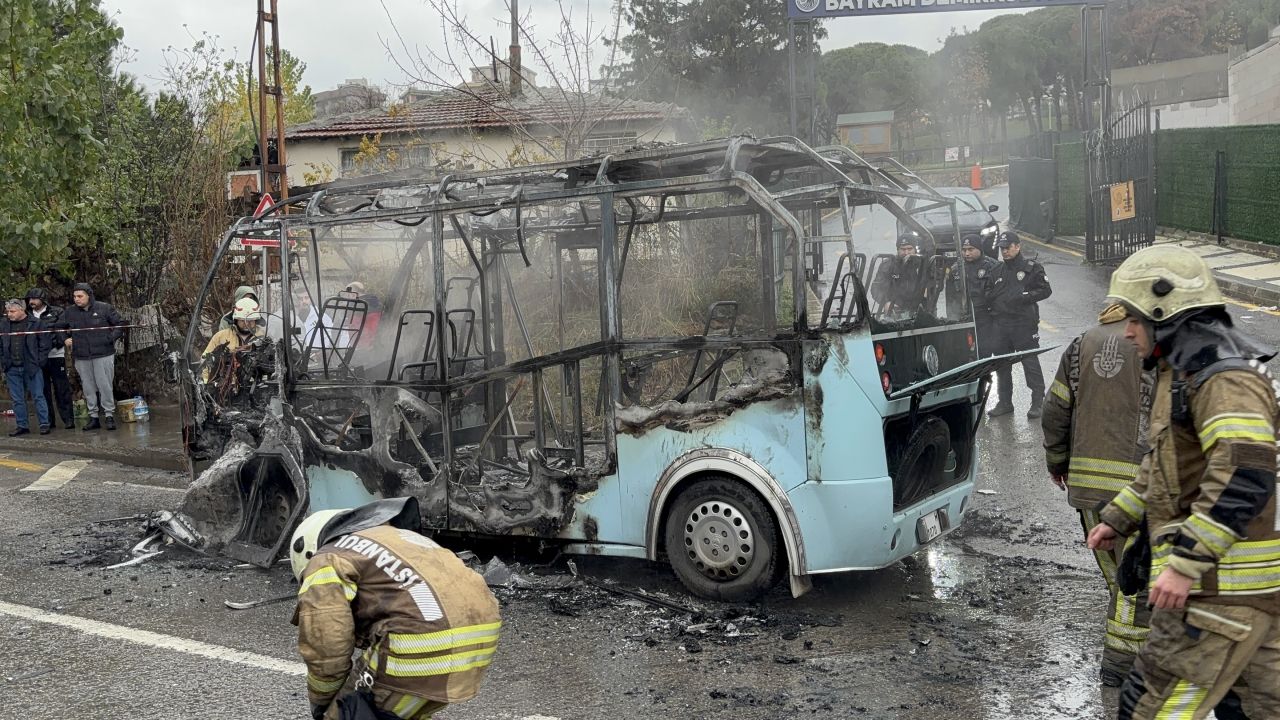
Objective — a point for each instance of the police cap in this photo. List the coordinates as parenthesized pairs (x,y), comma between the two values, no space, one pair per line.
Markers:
(972,241)
(1008,239)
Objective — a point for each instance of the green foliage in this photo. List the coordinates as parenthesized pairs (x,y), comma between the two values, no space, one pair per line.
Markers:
(1185,173)
(54,58)
(723,59)
(873,76)
(1073,186)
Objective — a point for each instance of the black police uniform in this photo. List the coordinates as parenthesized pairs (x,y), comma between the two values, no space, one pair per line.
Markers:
(1016,286)
(978,276)
(900,285)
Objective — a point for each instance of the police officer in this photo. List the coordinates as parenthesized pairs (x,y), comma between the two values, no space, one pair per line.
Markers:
(427,624)
(1101,376)
(900,286)
(979,271)
(1207,491)
(1018,285)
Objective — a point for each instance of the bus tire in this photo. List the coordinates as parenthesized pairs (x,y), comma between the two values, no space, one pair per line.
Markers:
(722,540)
(923,460)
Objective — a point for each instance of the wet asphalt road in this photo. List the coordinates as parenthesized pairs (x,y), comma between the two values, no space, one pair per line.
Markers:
(1001,619)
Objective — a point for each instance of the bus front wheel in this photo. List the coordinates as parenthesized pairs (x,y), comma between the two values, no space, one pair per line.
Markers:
(722,541)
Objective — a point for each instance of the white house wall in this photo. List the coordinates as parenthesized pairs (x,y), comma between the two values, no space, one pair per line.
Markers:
(487,149)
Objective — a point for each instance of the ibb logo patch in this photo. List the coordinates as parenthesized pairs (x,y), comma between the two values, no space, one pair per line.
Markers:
(807,5)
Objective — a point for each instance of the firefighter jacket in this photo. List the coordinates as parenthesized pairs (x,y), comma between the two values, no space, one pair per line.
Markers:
(1100,376)
(1016,286)
(1207,486)
(427,623)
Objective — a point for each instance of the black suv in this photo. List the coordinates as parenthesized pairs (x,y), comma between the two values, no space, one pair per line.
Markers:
(974,219)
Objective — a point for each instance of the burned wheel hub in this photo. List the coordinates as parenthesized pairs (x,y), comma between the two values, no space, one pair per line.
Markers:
(719,540)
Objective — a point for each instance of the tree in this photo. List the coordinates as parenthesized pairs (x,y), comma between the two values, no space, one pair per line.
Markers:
(873,76)
(552,118)
(724,59)
(236,96)
(55,56)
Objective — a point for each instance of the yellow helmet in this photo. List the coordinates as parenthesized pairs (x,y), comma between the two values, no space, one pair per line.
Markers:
(1164,281)
(307,538)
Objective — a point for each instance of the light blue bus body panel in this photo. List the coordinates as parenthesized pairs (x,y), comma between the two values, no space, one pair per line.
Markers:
(845,509)
(769,432)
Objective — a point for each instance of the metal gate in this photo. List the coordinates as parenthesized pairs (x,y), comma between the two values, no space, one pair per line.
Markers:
(1121,211)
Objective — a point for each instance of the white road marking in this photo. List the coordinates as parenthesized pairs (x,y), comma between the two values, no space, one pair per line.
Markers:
(141,486)
(57,476)
(156,640)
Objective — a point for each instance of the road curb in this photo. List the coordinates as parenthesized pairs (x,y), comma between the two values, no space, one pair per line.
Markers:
(153,458)
(1234,287)
(1246,291)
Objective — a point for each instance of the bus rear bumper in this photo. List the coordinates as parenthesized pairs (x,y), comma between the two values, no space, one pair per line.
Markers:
(845,525)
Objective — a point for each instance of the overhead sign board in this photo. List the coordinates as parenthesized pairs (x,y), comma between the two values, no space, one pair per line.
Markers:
(800,9)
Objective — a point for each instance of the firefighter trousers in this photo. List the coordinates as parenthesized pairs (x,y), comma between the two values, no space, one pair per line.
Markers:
(406,707)
(1127,615)
(1193,657)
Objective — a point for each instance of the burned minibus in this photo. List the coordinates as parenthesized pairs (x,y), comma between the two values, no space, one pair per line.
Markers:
(668,354)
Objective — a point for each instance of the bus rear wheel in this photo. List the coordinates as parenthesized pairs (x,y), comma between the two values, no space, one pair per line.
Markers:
(722,541)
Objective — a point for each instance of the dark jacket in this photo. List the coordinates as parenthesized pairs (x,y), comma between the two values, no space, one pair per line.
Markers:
(979,275)
(52,319)
(1017,285)
(99,327)
(36,347)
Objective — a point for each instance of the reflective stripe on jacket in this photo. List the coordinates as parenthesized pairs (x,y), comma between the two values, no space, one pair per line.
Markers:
(1095,416)
(1208,487)
(427,622)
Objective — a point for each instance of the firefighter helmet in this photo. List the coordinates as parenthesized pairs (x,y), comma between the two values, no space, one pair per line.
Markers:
(306,538)
(1161,282)
(246,309)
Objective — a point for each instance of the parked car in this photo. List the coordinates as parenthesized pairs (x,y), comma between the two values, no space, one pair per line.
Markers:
(973,218)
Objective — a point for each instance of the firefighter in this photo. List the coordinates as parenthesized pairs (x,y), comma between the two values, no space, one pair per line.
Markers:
(246,327)
(426,623)
(1207,491)
(228,321)
(1019,284)
(1101,376)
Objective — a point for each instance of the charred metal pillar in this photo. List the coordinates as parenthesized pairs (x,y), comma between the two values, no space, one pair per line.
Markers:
(492,336)
(768,261)
(441,329)
(610,317)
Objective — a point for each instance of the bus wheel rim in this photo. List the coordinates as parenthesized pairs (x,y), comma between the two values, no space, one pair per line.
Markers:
(719,540)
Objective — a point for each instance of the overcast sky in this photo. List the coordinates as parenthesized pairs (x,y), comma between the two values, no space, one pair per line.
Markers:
(340,39)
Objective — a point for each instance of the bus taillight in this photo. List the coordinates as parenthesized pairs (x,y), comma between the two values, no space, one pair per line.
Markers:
(880,354)
(885,382)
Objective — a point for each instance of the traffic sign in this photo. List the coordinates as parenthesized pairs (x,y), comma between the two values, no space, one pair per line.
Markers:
(266,202)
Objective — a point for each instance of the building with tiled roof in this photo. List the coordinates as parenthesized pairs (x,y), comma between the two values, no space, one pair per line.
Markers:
(477,126)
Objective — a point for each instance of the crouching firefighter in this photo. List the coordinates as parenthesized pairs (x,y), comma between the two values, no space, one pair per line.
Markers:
(1207,489)
(426,623)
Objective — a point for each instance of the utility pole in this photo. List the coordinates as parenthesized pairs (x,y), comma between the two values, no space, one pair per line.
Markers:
(274,179)
(514,58)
